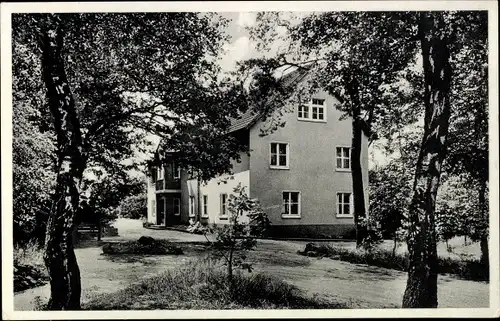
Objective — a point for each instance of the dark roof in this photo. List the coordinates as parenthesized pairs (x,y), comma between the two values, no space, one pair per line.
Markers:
(250,117)
(245,120)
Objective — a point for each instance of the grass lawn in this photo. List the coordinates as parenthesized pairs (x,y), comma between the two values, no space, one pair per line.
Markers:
(202,284)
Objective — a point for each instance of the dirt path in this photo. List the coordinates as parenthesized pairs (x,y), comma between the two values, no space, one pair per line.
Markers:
(361,286)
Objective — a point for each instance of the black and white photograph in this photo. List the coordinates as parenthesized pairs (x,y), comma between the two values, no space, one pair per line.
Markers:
(243,159)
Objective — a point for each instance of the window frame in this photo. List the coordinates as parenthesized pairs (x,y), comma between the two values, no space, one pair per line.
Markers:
(204,208)
(176,171)
(191,206)
(173,205)
(277,166)
(310,107)
(160,173)
(342,158)
(351,205)
(223,205)
(299,203)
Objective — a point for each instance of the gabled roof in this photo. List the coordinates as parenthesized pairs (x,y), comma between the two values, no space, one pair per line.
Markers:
(251,116)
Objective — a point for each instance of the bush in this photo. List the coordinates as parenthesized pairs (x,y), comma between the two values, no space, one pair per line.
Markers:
(202,284)
(464,268)
(134,207)
(29,269)
(153,247)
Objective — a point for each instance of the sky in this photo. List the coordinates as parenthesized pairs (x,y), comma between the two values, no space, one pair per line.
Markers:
(240,47)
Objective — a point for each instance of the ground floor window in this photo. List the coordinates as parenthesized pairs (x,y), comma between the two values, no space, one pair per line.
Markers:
(223,205)
(205,206)
(344,204)
(153,208)
(291,204)
(191,206)
(177,206)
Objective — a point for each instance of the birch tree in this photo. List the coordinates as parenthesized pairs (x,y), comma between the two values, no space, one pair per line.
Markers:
(110,79)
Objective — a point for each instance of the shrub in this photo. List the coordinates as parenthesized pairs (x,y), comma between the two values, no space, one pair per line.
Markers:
(202,284)
(464,268)
(234,239)
(134,207)
(153,247)
(29,269)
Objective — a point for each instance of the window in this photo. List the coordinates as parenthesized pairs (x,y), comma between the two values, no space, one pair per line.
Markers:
(291,204)
(344,204)
(205,206)
(153,208)
(279,155)
(315,110)
(223,205)
(160,172)
(177,206)
(303,112)
(191,206)
(343,158)
(177,171)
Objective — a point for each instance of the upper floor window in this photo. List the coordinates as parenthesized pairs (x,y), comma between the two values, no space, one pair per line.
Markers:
(315,110)
(177,206)
(279,155)
(160,173)
(291,204)
(343,158)
(344,204)
(223,206)
(177,171)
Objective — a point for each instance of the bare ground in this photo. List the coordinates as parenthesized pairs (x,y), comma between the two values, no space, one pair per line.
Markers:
(361,286)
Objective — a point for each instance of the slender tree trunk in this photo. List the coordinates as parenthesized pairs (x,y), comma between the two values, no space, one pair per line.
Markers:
(356,168)
(395,245)
(59,257)
(357,180)
(484,237)
(421,288)
(198,200)
(99,230)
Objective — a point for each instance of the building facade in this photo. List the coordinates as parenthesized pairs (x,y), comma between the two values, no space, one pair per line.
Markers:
(300,174)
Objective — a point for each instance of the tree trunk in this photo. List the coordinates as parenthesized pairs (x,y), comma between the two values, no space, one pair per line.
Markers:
(357,180)
(483,242)
(421,288)
(198,200)
(99,230)
(395,245)
(356,168)
(59,257)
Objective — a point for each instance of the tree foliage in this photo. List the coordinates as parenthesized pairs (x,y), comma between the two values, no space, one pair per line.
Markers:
(117,77)
(32,148)
(134,206)
(390,193)
(104,196)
